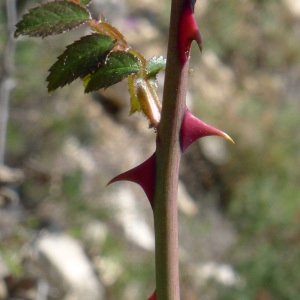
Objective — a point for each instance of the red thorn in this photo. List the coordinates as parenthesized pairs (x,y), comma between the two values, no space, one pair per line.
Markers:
(193,129)
(143,174)
(153,297)
(188,31)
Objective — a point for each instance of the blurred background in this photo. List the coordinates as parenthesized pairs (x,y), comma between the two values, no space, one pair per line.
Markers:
(65,235)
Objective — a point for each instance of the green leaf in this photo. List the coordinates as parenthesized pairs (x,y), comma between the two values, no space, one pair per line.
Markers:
(52,18)
(85,2)
(155,65)
(79,59)
(119,65)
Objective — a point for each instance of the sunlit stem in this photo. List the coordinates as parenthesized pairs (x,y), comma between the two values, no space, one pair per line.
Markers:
(168,155)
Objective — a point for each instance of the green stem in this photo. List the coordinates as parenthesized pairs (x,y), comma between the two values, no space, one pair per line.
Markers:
(168,155)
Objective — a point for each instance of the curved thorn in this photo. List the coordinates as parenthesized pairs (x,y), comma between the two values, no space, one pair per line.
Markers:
(192,129)
(153,296)
(188,31)
(144,175)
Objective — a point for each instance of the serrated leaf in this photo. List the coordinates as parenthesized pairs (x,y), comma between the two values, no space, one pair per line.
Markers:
(155,65)
(119,65)
(83,2)
(52,18)
(79,59)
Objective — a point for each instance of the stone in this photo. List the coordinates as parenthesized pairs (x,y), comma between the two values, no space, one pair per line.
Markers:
(3,273)
(294,7)
(10,175)
(66,267)
(131,215)
(186,204)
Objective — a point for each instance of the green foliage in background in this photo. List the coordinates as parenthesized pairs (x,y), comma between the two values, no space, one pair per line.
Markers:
(255,39)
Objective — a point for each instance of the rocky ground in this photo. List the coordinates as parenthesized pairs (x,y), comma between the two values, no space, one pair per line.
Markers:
(63,233)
